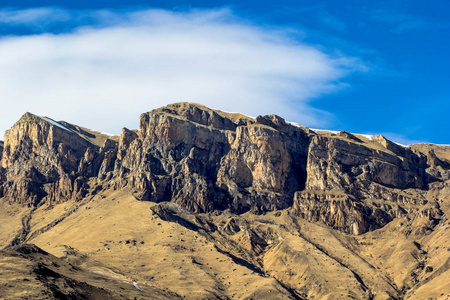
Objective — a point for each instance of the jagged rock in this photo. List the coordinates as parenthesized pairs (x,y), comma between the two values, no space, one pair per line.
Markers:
(39,139)
(176,157)
(109,153)
(438,160)
(125,140)
(1,150)
(340,211)
(204,160)
(38,151)
(172,212)
(338,164)
(266,164)
(363,172)
(42,158)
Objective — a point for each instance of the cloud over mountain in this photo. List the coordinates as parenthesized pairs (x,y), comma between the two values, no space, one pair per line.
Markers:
(90,67)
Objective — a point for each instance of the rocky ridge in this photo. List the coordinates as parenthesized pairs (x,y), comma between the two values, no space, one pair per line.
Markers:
(206,160)
(203,204)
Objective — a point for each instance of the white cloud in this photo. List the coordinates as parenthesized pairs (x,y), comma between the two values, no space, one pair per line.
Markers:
(104,74)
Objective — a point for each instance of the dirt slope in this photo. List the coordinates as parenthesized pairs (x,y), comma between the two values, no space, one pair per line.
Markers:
(163,247)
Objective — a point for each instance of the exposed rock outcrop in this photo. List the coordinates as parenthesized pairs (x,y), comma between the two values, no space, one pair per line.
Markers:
(347,176)
(341,164)
(204,160)
(266,164)
(1,149)
(341,211)
(44,159)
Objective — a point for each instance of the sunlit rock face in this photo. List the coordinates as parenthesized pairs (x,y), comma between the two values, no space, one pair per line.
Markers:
(45,160)
(206,160)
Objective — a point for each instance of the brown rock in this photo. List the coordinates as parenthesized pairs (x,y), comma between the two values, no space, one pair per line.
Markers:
(340,211)
(42,158)
(204,160)
(1,150)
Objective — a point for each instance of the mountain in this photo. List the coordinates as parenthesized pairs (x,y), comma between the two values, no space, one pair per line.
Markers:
(200,203)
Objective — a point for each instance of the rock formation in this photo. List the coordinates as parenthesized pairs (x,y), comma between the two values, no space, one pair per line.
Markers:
(45,160)
(205,160)
(232,206)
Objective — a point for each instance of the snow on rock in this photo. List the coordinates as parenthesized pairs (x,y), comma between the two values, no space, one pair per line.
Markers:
(53,122)
(230,112)
(137,287)
(367,136)
(134,283)
(108,134)
(332,131)
(401,145)
(294,124)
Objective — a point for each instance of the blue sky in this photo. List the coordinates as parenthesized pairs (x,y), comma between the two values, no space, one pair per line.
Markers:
(360,66)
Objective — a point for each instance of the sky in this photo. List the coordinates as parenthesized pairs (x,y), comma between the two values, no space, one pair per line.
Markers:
(372,67)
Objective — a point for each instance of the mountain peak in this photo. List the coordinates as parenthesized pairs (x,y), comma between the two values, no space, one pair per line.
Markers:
(28,117)
(204,115)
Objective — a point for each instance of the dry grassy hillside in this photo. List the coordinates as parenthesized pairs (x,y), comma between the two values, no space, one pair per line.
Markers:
(130,248)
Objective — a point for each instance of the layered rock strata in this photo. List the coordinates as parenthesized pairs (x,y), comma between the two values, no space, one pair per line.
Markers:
(206,160)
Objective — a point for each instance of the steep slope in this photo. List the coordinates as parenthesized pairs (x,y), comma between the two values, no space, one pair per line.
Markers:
(45,160)
(1,149)
(31,273)
(200,203)
(364,184)
(227,255)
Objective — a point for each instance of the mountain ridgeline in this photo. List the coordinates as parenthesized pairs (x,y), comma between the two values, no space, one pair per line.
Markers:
(203,204)
(206,160)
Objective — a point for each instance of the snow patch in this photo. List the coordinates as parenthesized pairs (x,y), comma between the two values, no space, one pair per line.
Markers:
(53,122)
(108,134)
(332,131)
(137,287)
(367,136)
(135,284)
(230,112)
(294,124)
(97,272)
(401,145)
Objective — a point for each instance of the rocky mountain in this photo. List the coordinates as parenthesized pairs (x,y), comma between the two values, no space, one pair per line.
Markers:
(209,204)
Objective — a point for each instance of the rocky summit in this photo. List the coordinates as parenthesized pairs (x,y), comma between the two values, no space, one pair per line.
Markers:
(203,204)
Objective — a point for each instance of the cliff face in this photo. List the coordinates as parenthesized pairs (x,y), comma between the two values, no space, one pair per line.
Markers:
(356,186)
(348,164)
(42,159)
(206,160)
(1,149)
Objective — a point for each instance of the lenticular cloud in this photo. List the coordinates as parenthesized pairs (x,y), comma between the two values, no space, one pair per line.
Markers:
(107,67)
